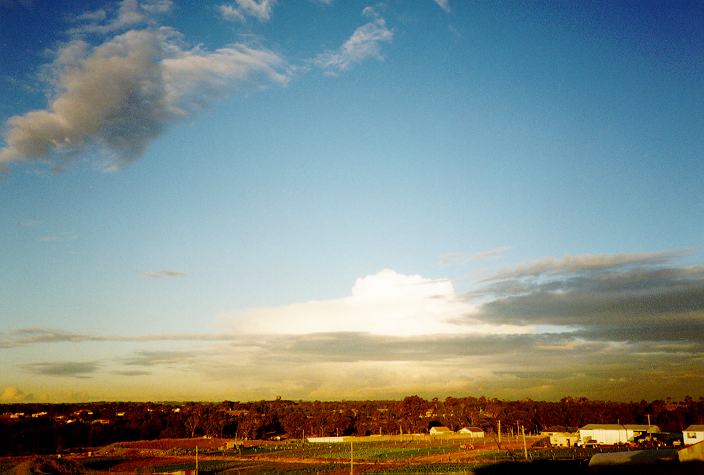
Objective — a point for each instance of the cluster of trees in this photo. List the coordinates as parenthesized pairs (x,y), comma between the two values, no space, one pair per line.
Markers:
(67,426)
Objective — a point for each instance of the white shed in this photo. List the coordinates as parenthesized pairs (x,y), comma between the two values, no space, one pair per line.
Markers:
(610,434)
(603,434)
(472,432)
(693,434)
(440,430)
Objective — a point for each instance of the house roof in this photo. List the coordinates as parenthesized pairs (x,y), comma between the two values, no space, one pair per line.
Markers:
(472,429)
(440,429)
(695,428)
(603,427)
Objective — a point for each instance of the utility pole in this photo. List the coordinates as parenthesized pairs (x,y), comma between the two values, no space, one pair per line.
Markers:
(196,460)
(351,458)
(525,449)
(649,431)
(499,431)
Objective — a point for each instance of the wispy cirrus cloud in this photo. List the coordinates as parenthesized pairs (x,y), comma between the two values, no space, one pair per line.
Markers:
(443,4)
(364,43)
(115,97)
(127,14)
(259,9)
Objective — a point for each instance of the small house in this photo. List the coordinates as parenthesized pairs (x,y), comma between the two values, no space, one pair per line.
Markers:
(693,434)
(440,430)
(561,436)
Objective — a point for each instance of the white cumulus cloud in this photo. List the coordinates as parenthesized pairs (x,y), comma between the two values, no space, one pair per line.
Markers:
(385,303)
(11,394)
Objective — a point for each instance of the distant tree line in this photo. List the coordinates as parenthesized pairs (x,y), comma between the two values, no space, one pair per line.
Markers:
(55,428)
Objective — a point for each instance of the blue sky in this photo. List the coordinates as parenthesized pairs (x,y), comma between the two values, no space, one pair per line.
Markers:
(327,199)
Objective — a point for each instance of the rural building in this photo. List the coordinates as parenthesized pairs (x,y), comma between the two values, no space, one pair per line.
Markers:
(440,430)
(472,432)
(610,434)
(561,436)
(636,430)
(693,434)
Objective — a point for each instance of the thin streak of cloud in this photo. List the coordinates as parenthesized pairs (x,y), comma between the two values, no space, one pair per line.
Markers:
(62,237)
(64,368)
(162,274)
(34,336)
(462,258)
(579,263)
(161,357)
(443,4)
(132,373)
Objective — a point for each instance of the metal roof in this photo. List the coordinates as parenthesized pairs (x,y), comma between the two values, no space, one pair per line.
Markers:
(603,427)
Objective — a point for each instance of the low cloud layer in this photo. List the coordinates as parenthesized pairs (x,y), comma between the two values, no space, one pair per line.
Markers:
(11,394)
(587,325)
(63,368)
(117,97)
(640,291)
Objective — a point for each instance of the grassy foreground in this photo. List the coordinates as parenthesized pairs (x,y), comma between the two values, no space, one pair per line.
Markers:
(369,455)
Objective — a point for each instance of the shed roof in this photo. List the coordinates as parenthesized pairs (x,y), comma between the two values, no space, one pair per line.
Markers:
(440,429)
(603,427)
(695,428)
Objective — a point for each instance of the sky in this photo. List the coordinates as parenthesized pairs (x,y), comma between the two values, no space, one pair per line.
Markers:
(327,199)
